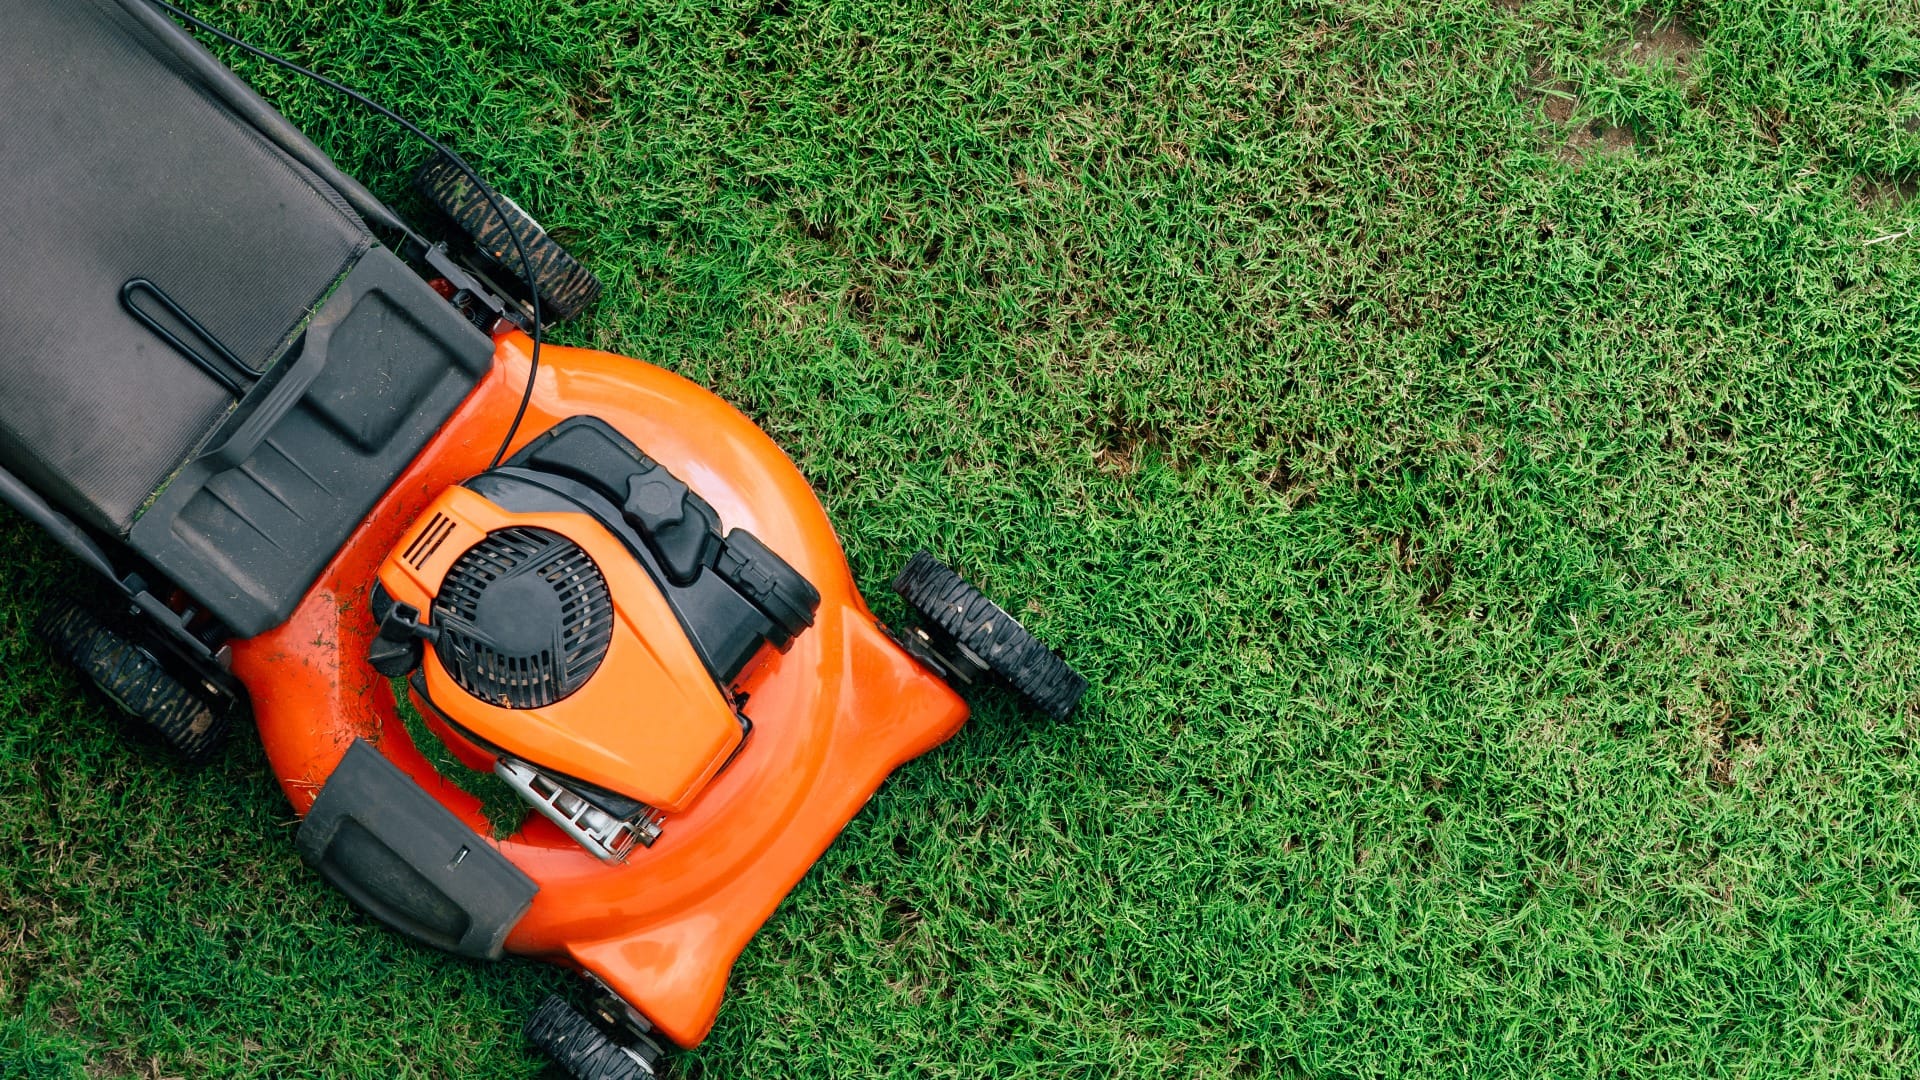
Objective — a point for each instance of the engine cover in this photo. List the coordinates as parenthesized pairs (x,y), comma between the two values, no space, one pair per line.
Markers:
(549,642)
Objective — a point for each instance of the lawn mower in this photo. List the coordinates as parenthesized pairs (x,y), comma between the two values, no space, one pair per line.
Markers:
(329,474)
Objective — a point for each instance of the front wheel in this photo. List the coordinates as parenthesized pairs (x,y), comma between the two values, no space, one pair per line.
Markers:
(969,637)
(583,1049)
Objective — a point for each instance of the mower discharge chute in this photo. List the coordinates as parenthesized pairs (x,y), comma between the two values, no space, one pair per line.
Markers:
(292,479)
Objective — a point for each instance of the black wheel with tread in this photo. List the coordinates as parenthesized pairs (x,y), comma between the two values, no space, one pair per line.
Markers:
(190,721)
(566,287)
(969,631)
(579,1047)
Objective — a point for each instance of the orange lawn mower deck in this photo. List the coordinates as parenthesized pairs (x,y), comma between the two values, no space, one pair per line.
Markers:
(315,455)
(741,817)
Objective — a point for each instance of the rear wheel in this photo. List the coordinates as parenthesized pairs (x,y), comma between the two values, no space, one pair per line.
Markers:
(193,722)
(970,637)
(583,1049)
(566,287)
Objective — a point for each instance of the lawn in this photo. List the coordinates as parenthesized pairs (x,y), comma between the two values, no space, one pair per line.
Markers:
(1471,447)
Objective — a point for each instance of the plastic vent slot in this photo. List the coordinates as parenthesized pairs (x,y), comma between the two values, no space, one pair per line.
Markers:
(500,652)
(428,542)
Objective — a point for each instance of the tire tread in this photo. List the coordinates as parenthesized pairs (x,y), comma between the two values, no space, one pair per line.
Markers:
(945,599)
(566,287)
(579,1047)
(133,679)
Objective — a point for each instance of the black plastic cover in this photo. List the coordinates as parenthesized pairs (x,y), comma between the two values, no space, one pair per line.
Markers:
(115,165)
(247,525)
(725,629)
(766,580)
(408,861)
(681,527)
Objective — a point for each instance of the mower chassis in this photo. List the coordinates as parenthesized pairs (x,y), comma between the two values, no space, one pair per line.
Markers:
(832,716)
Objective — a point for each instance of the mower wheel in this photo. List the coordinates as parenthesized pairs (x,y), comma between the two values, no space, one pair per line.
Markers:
(566,287)
(134,679)
(580,1048)
(971,635)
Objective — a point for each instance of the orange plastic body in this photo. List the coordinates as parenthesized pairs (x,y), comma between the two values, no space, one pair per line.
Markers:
(832,716)
(649,724)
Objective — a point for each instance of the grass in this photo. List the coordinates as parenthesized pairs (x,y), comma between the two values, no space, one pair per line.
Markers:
(1471,447)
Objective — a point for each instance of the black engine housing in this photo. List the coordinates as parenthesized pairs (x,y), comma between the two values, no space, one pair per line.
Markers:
(730,592)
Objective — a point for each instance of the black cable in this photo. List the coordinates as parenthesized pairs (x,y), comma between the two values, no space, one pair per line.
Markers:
(526,264)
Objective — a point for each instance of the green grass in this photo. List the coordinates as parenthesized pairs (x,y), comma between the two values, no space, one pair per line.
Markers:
(1473,455)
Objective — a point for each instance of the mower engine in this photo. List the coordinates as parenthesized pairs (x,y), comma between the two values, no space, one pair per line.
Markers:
(576,621)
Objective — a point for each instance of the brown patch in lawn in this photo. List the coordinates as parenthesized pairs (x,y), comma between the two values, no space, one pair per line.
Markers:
(1586,140)
(1560,103)
(1872,192)
(1653,40)
(1669,41)
(1121,444)
(1730,742)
